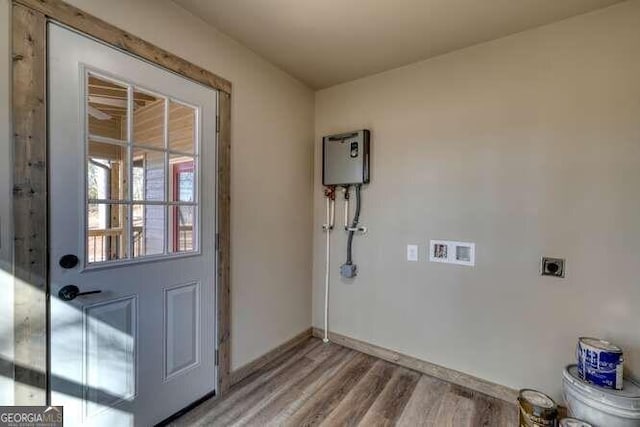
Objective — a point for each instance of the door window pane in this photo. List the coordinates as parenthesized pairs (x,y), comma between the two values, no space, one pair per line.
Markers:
(106,237)
(148,174)
(106,171)
(183,185)
(148,119)
(106,108)
(99,179)
(148,230)
(182,127)
(183,230)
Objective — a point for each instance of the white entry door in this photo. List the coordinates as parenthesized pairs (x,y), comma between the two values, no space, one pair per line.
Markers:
(132,215)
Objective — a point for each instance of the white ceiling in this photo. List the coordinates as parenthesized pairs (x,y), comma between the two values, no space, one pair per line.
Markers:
(325,42)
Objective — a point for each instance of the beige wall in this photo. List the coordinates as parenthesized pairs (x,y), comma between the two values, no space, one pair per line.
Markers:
(527,146)
(271,182)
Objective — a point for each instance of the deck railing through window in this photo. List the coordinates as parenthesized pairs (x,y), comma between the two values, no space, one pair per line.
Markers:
(107,244)
(104,244)
(185,239)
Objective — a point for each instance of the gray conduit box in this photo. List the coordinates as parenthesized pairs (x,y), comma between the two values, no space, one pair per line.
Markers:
(345,158)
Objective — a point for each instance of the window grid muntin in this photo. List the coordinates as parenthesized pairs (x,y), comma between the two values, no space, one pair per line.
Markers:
(123,143)
(129,208)
(129,144)
(167,174)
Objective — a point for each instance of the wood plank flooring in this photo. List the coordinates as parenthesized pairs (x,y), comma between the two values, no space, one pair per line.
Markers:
(329,385)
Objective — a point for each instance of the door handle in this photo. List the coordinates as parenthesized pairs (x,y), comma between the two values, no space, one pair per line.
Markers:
(70,292)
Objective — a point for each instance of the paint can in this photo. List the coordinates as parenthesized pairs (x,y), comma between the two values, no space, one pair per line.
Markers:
(573,422)
(536,409)
(600,362)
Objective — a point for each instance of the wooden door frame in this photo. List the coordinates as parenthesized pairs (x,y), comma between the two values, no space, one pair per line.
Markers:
(30,184)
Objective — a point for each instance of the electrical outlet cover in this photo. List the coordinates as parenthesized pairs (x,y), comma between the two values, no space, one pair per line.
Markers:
(412,252)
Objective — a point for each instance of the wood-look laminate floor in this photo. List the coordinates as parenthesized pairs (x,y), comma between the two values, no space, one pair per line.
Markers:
(330,385)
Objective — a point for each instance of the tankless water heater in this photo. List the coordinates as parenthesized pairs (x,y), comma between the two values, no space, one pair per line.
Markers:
(345,158)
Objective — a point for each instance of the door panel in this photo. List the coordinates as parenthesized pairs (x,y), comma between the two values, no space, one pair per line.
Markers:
(181,334)
(109,353)
(144,347)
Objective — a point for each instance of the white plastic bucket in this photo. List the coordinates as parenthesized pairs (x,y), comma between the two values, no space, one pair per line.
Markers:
(573,422)
(600,406)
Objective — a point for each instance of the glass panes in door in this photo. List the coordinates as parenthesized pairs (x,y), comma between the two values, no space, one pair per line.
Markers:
(106,108)
(141,172)
(182,128)
(183,211)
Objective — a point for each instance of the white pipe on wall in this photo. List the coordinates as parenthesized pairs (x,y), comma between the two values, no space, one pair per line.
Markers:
(326,274)
(333,213)
(328,226)
(346,208)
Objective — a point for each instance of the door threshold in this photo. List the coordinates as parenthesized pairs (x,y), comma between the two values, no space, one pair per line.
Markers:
(186,409)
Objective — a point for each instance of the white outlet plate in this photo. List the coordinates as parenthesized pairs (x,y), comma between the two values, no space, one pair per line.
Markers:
(412,252)
(451,252)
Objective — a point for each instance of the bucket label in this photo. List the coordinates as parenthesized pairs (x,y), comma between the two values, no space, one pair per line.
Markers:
(600,367)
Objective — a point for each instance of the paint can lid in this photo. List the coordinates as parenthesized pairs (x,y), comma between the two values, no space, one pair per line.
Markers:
(537,398)
(538,404)
(573,422)
(627,399)
(600,344)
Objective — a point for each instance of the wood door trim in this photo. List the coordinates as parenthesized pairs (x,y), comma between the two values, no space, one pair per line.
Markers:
(30,189)
(224,241)
(29,205)
(88,24)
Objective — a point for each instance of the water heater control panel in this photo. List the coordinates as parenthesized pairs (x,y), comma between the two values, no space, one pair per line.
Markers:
(345,158)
